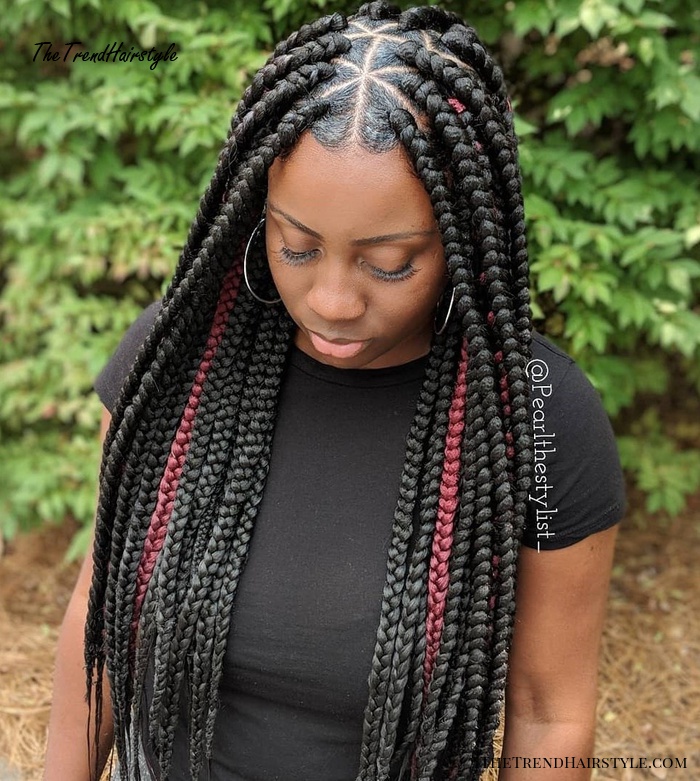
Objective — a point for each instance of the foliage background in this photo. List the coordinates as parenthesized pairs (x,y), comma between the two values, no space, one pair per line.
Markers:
(104,164)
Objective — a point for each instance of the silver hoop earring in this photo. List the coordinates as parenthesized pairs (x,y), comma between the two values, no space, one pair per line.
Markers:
(447,316)
(245,268)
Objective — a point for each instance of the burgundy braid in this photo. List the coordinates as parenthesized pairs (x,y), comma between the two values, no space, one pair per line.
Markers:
(181,444)
(448,503)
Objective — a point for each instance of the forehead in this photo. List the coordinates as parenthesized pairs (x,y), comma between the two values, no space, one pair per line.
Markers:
(349,190)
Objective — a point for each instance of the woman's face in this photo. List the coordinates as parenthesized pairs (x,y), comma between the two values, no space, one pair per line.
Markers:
(355,253)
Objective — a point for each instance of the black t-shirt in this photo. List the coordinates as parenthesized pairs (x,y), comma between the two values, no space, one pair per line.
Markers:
(304,624)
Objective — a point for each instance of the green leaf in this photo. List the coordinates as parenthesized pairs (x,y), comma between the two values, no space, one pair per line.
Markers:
(692,236)
(61,7)
(528,15)
(680,274)
(586,328)
(653,20)
(690,97)
(633,308)
(596,14)
(523,127)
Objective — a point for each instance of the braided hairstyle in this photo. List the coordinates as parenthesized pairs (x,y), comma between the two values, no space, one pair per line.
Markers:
(187,454)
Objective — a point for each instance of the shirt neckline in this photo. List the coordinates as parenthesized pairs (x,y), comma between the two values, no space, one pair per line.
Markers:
(359,378)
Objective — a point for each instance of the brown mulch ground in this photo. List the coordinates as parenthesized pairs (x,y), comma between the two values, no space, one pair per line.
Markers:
(35,587)
(649,703)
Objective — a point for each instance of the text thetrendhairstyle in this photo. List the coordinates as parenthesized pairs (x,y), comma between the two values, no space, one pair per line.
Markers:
(187,454)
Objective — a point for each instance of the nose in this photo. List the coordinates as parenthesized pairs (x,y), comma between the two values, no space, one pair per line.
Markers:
(335,294)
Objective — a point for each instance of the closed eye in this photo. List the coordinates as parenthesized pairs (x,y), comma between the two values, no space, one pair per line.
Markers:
(297,258)
(394,276)
(294,258)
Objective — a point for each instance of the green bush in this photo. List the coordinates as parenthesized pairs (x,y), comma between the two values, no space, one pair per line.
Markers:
(105,163)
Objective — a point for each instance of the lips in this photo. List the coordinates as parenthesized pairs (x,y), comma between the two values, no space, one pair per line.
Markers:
(336,348)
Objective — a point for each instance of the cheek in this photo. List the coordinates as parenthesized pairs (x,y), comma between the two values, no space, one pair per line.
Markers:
(412,307)
(426,299)
(288,287)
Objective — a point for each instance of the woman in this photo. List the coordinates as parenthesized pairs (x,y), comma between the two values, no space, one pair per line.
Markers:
(338,437)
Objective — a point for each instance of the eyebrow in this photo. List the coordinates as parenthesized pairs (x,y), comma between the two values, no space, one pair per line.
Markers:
(383,239)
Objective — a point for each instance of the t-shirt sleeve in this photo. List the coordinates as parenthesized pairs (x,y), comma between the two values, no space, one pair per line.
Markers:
(578,484)
(110,380)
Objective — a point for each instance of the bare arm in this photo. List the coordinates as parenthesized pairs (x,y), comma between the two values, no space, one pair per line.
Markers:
(66,753)
(551,693)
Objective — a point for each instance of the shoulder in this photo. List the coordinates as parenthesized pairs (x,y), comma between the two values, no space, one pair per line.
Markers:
(549,363)
(578,483)
(542,346)
(558,382)
(112,377)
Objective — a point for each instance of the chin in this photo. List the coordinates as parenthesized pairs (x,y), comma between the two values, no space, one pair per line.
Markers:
(358,361)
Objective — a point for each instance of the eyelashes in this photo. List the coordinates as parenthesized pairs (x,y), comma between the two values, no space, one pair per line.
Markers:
(295,258)
(299,258)
(406,272)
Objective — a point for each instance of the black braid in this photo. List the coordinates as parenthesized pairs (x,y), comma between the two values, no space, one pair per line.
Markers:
(503,323)
(396,626)
(141,388)
(418,150)
(196,503)
(236,518)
